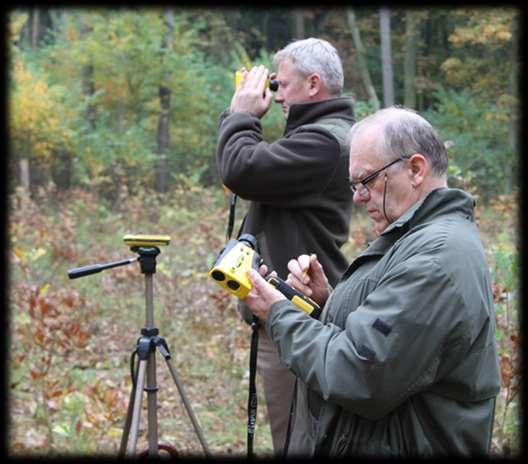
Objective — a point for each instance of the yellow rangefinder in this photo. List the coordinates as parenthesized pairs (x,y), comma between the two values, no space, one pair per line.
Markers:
(237,258)
(272,84)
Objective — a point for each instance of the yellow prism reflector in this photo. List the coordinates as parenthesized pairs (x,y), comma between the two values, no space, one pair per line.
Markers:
(146,240)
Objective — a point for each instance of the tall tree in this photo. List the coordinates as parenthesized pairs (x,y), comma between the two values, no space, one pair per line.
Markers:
(513,133)
(362,62)
(163,134)
(87,75)
(409,64)
(298,19)
(386,57)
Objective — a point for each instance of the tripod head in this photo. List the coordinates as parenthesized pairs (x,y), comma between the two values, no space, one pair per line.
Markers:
(144,245)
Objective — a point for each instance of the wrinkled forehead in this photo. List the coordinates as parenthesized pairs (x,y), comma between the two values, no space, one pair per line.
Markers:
(364,153)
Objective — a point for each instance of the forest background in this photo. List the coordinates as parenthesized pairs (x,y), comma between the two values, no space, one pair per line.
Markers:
(112,117)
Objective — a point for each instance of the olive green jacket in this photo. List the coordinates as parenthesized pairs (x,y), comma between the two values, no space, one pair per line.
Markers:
(404,361)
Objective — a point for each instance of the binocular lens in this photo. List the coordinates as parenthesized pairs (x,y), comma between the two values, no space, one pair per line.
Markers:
(218,275)
(273,85)
(233,285)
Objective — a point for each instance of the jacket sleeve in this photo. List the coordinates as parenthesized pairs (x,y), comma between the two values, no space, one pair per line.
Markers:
(296,165)
(390,348)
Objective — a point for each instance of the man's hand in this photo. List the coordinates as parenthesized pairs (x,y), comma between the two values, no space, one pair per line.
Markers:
(307,276)
(262,294)
(253,95)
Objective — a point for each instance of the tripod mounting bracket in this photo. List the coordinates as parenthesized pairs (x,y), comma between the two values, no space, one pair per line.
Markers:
(149,342)
(147,258)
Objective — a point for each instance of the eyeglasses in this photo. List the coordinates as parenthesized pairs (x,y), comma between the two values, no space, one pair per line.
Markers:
(361,185)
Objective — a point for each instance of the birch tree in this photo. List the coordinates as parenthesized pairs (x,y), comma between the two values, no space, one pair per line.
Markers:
(361,61)
(386,57)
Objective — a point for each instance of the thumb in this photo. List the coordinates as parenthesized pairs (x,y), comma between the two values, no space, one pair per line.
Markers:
(258,282)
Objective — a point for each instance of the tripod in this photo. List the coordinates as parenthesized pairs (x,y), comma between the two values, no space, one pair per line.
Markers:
(145,378)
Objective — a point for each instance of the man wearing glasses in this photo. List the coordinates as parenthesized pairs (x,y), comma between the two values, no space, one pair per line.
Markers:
(403,360)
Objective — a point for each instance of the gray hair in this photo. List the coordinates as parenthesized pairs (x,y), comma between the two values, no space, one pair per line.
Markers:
(404,132)
(315,56)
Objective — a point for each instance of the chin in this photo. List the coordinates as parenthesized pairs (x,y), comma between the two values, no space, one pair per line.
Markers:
(380,227)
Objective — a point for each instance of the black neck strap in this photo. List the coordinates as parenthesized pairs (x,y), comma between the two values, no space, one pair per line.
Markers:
(231,221)
(252,396)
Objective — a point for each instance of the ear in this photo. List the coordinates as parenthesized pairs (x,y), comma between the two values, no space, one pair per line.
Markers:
(419,169)
(314,84)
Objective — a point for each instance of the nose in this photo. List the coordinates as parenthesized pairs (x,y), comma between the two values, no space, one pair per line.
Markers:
(358,197)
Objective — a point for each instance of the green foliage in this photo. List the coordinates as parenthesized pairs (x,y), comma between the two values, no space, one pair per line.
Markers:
(481,40)
(91,90)
(128,64)
(498,223)
(476,132)
(362,109)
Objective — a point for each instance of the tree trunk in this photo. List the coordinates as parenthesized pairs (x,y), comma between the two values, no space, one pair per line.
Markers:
(31,174)
(35,28)
(318,19)
(87,81)
(61,169)
(163,134)
(298,16)
(362,62)
(24,174)
(513,132)
(386,58)
(409,64)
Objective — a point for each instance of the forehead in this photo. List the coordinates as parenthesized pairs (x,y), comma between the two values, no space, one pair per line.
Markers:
(363,154)
(286,68)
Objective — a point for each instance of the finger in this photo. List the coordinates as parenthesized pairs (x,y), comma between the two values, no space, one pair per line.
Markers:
(263,270)
(294,282)
(262,287)
(295,266)
(268,96)
(315,264)
(304,263)
(259,75)
(243,77)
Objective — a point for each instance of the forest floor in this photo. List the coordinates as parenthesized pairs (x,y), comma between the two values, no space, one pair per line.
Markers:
(71,340)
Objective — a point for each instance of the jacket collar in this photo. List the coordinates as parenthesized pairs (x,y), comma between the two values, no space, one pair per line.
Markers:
(438,202)
(306,113)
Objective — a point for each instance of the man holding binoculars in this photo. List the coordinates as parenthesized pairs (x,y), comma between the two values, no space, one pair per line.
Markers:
(297,185)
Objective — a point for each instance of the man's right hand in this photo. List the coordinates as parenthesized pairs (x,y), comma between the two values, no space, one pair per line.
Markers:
(307,276)
(253,95)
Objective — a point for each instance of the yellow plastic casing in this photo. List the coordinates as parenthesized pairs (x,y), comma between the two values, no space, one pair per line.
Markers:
(146,240)
(238,81)
(231,268)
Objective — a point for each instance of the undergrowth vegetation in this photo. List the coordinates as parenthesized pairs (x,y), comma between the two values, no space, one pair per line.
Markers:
(71,340)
